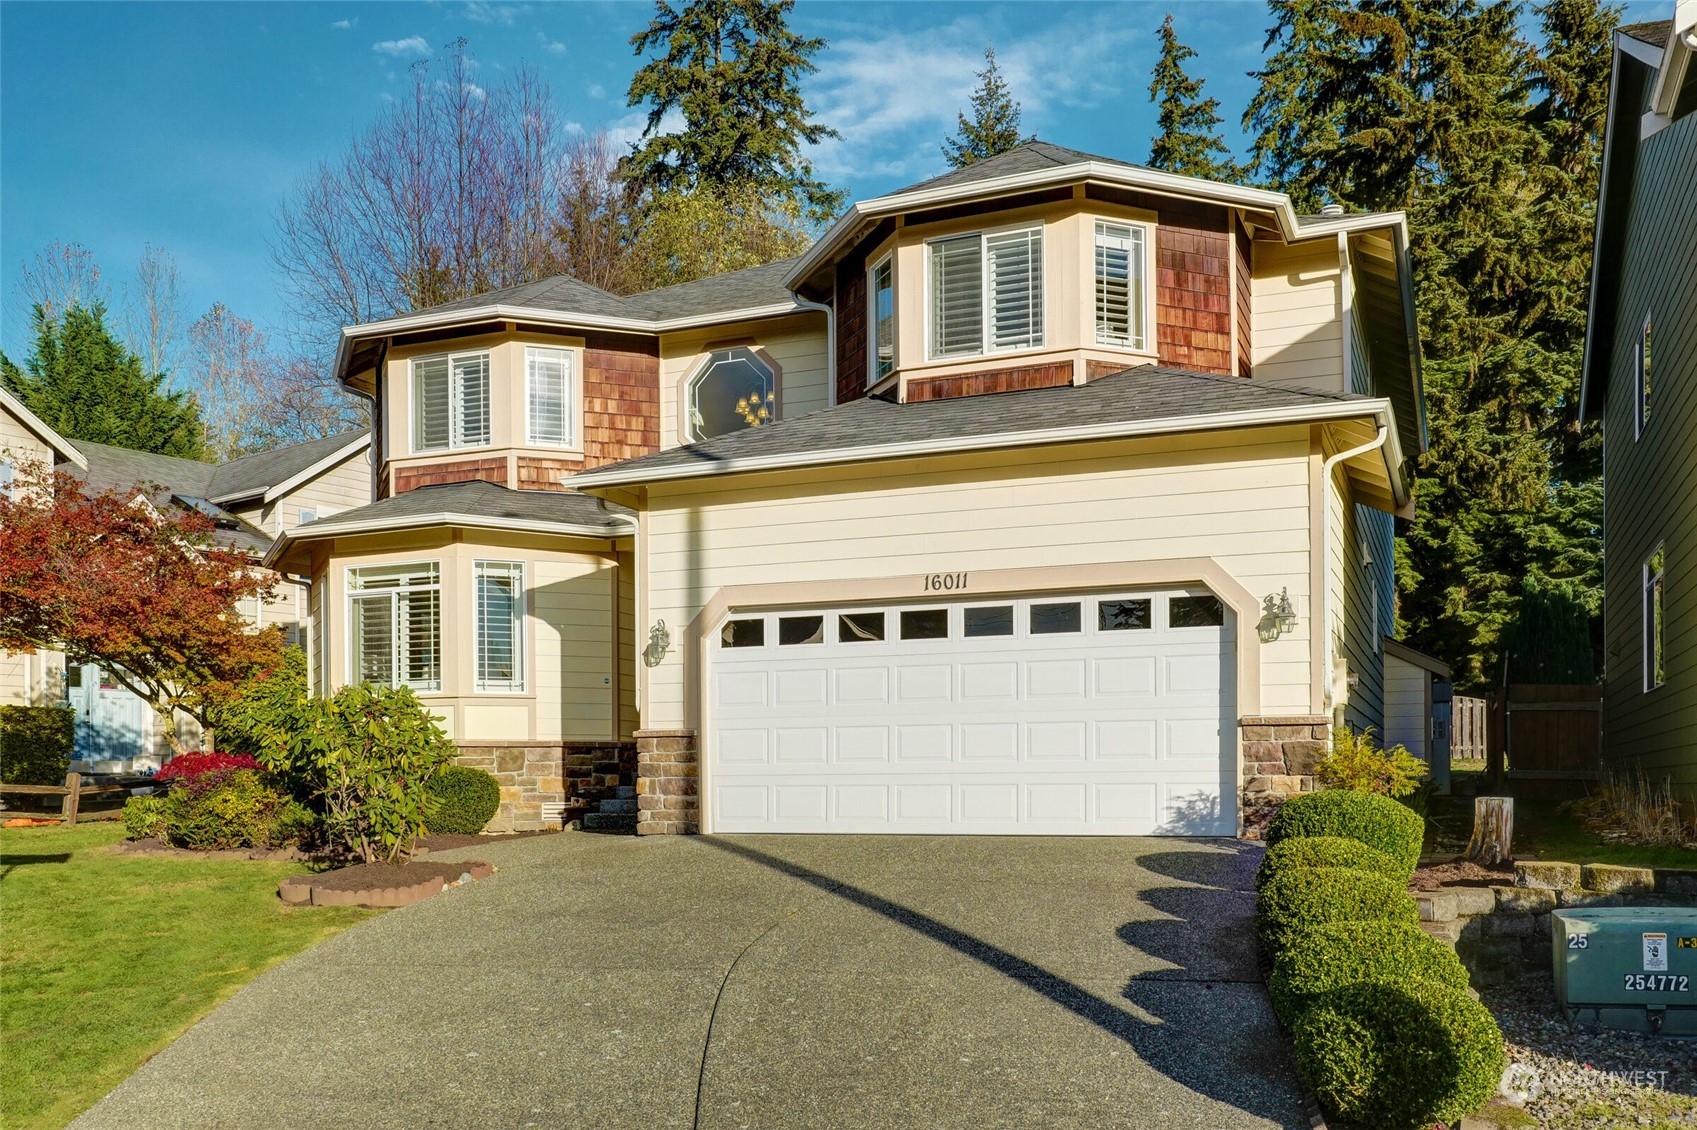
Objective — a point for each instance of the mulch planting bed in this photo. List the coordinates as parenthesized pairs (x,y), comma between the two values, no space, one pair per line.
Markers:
(1461,873)
(380,884)
(151,846)
(427,844)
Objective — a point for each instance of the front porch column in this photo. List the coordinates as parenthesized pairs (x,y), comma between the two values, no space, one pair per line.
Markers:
(667,772)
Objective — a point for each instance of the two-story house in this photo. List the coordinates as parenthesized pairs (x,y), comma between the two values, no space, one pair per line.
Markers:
(1640,380)
(1053,495)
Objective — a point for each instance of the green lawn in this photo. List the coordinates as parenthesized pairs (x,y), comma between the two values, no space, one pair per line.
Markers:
(1541,829)
(105,959)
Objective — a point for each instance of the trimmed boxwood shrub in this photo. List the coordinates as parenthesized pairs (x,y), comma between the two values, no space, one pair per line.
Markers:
(466,800)
(1327,851)
(36,744)
(1400,1056)
(1379,822)
(1300,897)
(1322,958)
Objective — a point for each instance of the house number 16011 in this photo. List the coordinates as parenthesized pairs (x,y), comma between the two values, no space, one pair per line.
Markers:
(945,582)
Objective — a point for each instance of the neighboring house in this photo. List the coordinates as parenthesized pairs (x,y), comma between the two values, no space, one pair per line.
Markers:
(37,678)
(250,501)
(1053,495)
(1640,380)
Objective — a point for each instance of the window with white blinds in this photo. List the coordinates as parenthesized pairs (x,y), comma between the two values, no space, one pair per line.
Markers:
(498,611)
(1120,286)
(986,292)
(450,401)
(548,399)
(883,290)
(395,625)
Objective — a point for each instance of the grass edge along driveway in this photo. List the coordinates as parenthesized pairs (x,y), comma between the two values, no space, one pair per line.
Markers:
(106,958)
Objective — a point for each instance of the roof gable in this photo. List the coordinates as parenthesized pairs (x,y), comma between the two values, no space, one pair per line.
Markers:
(33,423)
(264,471)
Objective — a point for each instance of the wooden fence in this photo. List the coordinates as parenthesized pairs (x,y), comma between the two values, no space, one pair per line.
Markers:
(73,790)
(1470,722)
(1541,730)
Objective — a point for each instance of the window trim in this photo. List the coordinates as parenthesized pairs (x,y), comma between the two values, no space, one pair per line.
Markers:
(1643,360)
(985,349)
(1654,632)
(888,262)
(572,401)
(521,637)
(414,448)
(350,594)
(1145,348)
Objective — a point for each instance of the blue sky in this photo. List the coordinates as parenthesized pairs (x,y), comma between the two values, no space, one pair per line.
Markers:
(184,124)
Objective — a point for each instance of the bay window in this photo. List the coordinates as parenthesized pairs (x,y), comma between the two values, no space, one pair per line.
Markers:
(883,295)
(986,292)
(548,396)
(1120,286)
(498,612)
(450,402)
(395,625)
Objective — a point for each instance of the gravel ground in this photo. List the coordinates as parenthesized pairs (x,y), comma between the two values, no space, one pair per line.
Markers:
(1587,1078)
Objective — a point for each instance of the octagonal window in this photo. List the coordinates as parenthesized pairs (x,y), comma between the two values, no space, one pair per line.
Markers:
(735,389)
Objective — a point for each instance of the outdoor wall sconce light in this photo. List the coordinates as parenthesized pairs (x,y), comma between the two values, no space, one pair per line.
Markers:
(659,643)
(1278,618)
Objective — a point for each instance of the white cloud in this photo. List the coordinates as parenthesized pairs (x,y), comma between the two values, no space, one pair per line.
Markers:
(344,25)
(412,45)
(483,13)
(596,90)
(552,46)
(894,97)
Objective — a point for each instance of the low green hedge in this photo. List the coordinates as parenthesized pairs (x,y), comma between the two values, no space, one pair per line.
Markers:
(466,800)
(144,818)
(1327,851)
(1322,958)
(233,808)
(36,744)
(1301,897)
(1400,1056)
(1377,821)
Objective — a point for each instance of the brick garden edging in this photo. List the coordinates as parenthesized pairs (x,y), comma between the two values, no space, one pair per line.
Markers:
(306,890)
(667,776)
(1499,932)
(1280,752)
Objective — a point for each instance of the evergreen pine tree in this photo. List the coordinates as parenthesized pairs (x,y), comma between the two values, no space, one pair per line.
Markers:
(733,69)
(994,125)
(85,385)
(1189,141)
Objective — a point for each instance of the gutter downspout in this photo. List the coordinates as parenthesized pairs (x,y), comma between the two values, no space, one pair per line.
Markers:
(1326,610)
(830,342)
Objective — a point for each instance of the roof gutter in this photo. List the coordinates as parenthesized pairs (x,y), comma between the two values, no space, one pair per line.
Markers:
(1379,408)
(317,531)
(1170,184)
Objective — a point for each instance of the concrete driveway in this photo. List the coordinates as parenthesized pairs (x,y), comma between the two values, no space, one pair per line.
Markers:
(762,981)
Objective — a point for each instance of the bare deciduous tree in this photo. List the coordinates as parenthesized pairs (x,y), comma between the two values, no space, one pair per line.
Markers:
(153,310)
(60,276)
(596,216)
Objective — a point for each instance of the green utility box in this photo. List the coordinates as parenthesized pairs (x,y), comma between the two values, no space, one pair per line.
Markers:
(1631,967)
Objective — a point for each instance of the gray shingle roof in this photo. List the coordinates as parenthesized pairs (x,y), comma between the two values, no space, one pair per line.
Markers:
(1030,157)
(178,480)
(734,290)
(1146,394)
(486,500)
(258,473)
(558,292)
(1654,32)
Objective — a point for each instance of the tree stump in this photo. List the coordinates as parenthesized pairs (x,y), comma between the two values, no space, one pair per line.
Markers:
(1493,830)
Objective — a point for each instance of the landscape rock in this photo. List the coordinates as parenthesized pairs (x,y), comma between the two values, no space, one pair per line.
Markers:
(1608,878)
(1551,876)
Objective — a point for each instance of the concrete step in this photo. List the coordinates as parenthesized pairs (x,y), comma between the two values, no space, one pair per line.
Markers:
(626,792)
(610,807)
(624,822)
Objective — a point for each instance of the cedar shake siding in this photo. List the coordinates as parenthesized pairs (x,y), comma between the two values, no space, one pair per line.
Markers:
(490,470)
(546,474)
(851,328)
(1193,299)
(996,380)
(1244,287)
(621,398)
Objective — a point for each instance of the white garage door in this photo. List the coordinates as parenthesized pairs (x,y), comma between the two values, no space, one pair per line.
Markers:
(1102,714)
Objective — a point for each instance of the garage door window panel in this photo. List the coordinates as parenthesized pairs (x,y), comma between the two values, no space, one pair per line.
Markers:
(995,620)
(743,633)
(1195,612)
(1056,619)
(925,624)
(795,630)
(860,627)
(1124,615)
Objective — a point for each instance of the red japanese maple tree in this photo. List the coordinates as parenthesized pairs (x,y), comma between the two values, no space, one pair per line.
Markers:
(143,590)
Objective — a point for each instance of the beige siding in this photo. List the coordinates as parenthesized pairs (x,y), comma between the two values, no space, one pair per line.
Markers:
(1407,714)
(1296,337)
(1240,498)
(343,487)
(630,645)
(797,345)
(26,680)
(571,671)
(1361,576)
